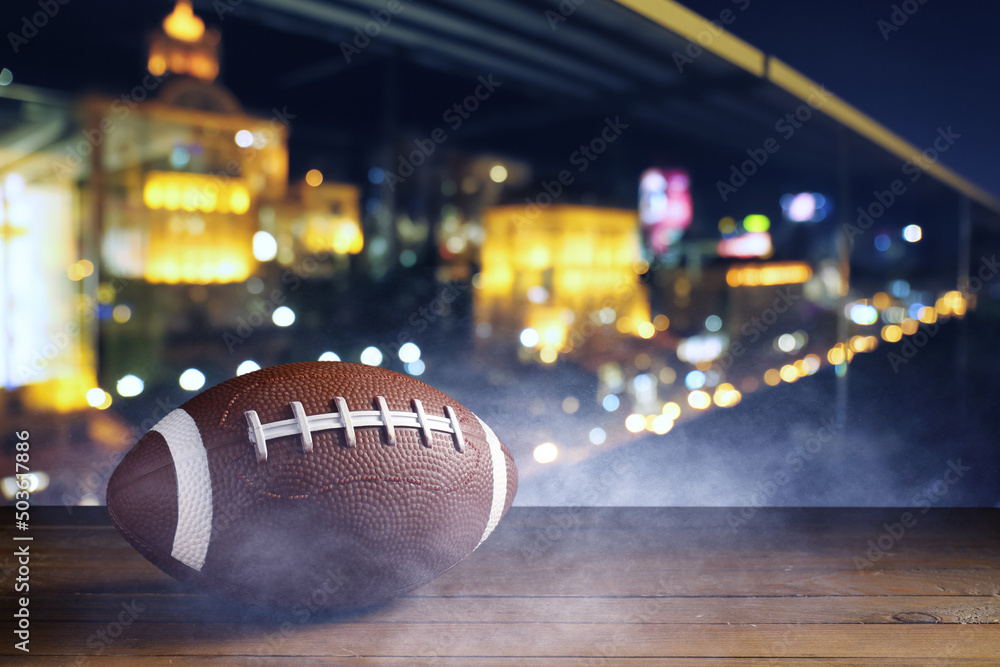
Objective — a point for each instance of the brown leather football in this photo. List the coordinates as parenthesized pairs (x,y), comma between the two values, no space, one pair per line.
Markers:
(314,485)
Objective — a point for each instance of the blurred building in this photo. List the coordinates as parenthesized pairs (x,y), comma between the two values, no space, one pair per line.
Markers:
(177,239)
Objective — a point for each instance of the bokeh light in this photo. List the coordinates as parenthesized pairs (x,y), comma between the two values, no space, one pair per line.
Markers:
(248,366)
(192,379)
(371,356)
(130,385)
(699,400)
(546,452)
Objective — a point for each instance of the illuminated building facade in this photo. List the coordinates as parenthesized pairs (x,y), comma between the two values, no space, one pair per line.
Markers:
(559,268)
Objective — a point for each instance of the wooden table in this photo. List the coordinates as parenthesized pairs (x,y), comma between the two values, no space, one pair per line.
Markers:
(561,586)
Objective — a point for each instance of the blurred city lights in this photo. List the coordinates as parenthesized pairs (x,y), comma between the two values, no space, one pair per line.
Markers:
(376,175)
(6,77)
(811,363)
(756,223)
(635,422)
(713,322)
(29,481)
(694,380)
(192,379)
(892,333)
(863,314)
(121,313)
(95,396)
(314,177)
(662,424)
(900,288)
(783,273)
(789,373)
(179,157)
(646,329)
(283,316)
(329,356)
(130,385)
(548,354)
(537,294)
(248,366)
(244,138)
(772,377)
(660,322)
(265,247)
(786,342)
(409,352)
(610,402)
(800,207)
(415,367)
(914,310)
(371,356)
(700,348)
(498,173)
(570,405)
(546,452)
(529,337)
(912,233)
(597,436)
(672,410)
(882,242)
(699,400)
(255,285)
(726,395)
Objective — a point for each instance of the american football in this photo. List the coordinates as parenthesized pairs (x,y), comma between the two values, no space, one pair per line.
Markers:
(318,484)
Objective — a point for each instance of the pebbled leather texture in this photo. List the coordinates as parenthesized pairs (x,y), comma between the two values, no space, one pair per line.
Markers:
(336,527)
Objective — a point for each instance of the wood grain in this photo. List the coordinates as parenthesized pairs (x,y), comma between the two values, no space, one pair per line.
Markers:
(559,586)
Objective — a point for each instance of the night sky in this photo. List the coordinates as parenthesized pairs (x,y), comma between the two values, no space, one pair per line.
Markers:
(941,68)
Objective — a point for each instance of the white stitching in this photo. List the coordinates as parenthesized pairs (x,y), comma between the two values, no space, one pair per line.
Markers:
(425,427)
(390,432)
(257,435)
(303,422)
(345,415)
(456,428)
(304,426)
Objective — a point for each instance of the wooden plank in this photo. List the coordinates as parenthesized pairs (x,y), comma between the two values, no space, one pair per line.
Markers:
(587,580)
(70,546)
(523,640)
(472,661)
(643,586)
(503,610)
